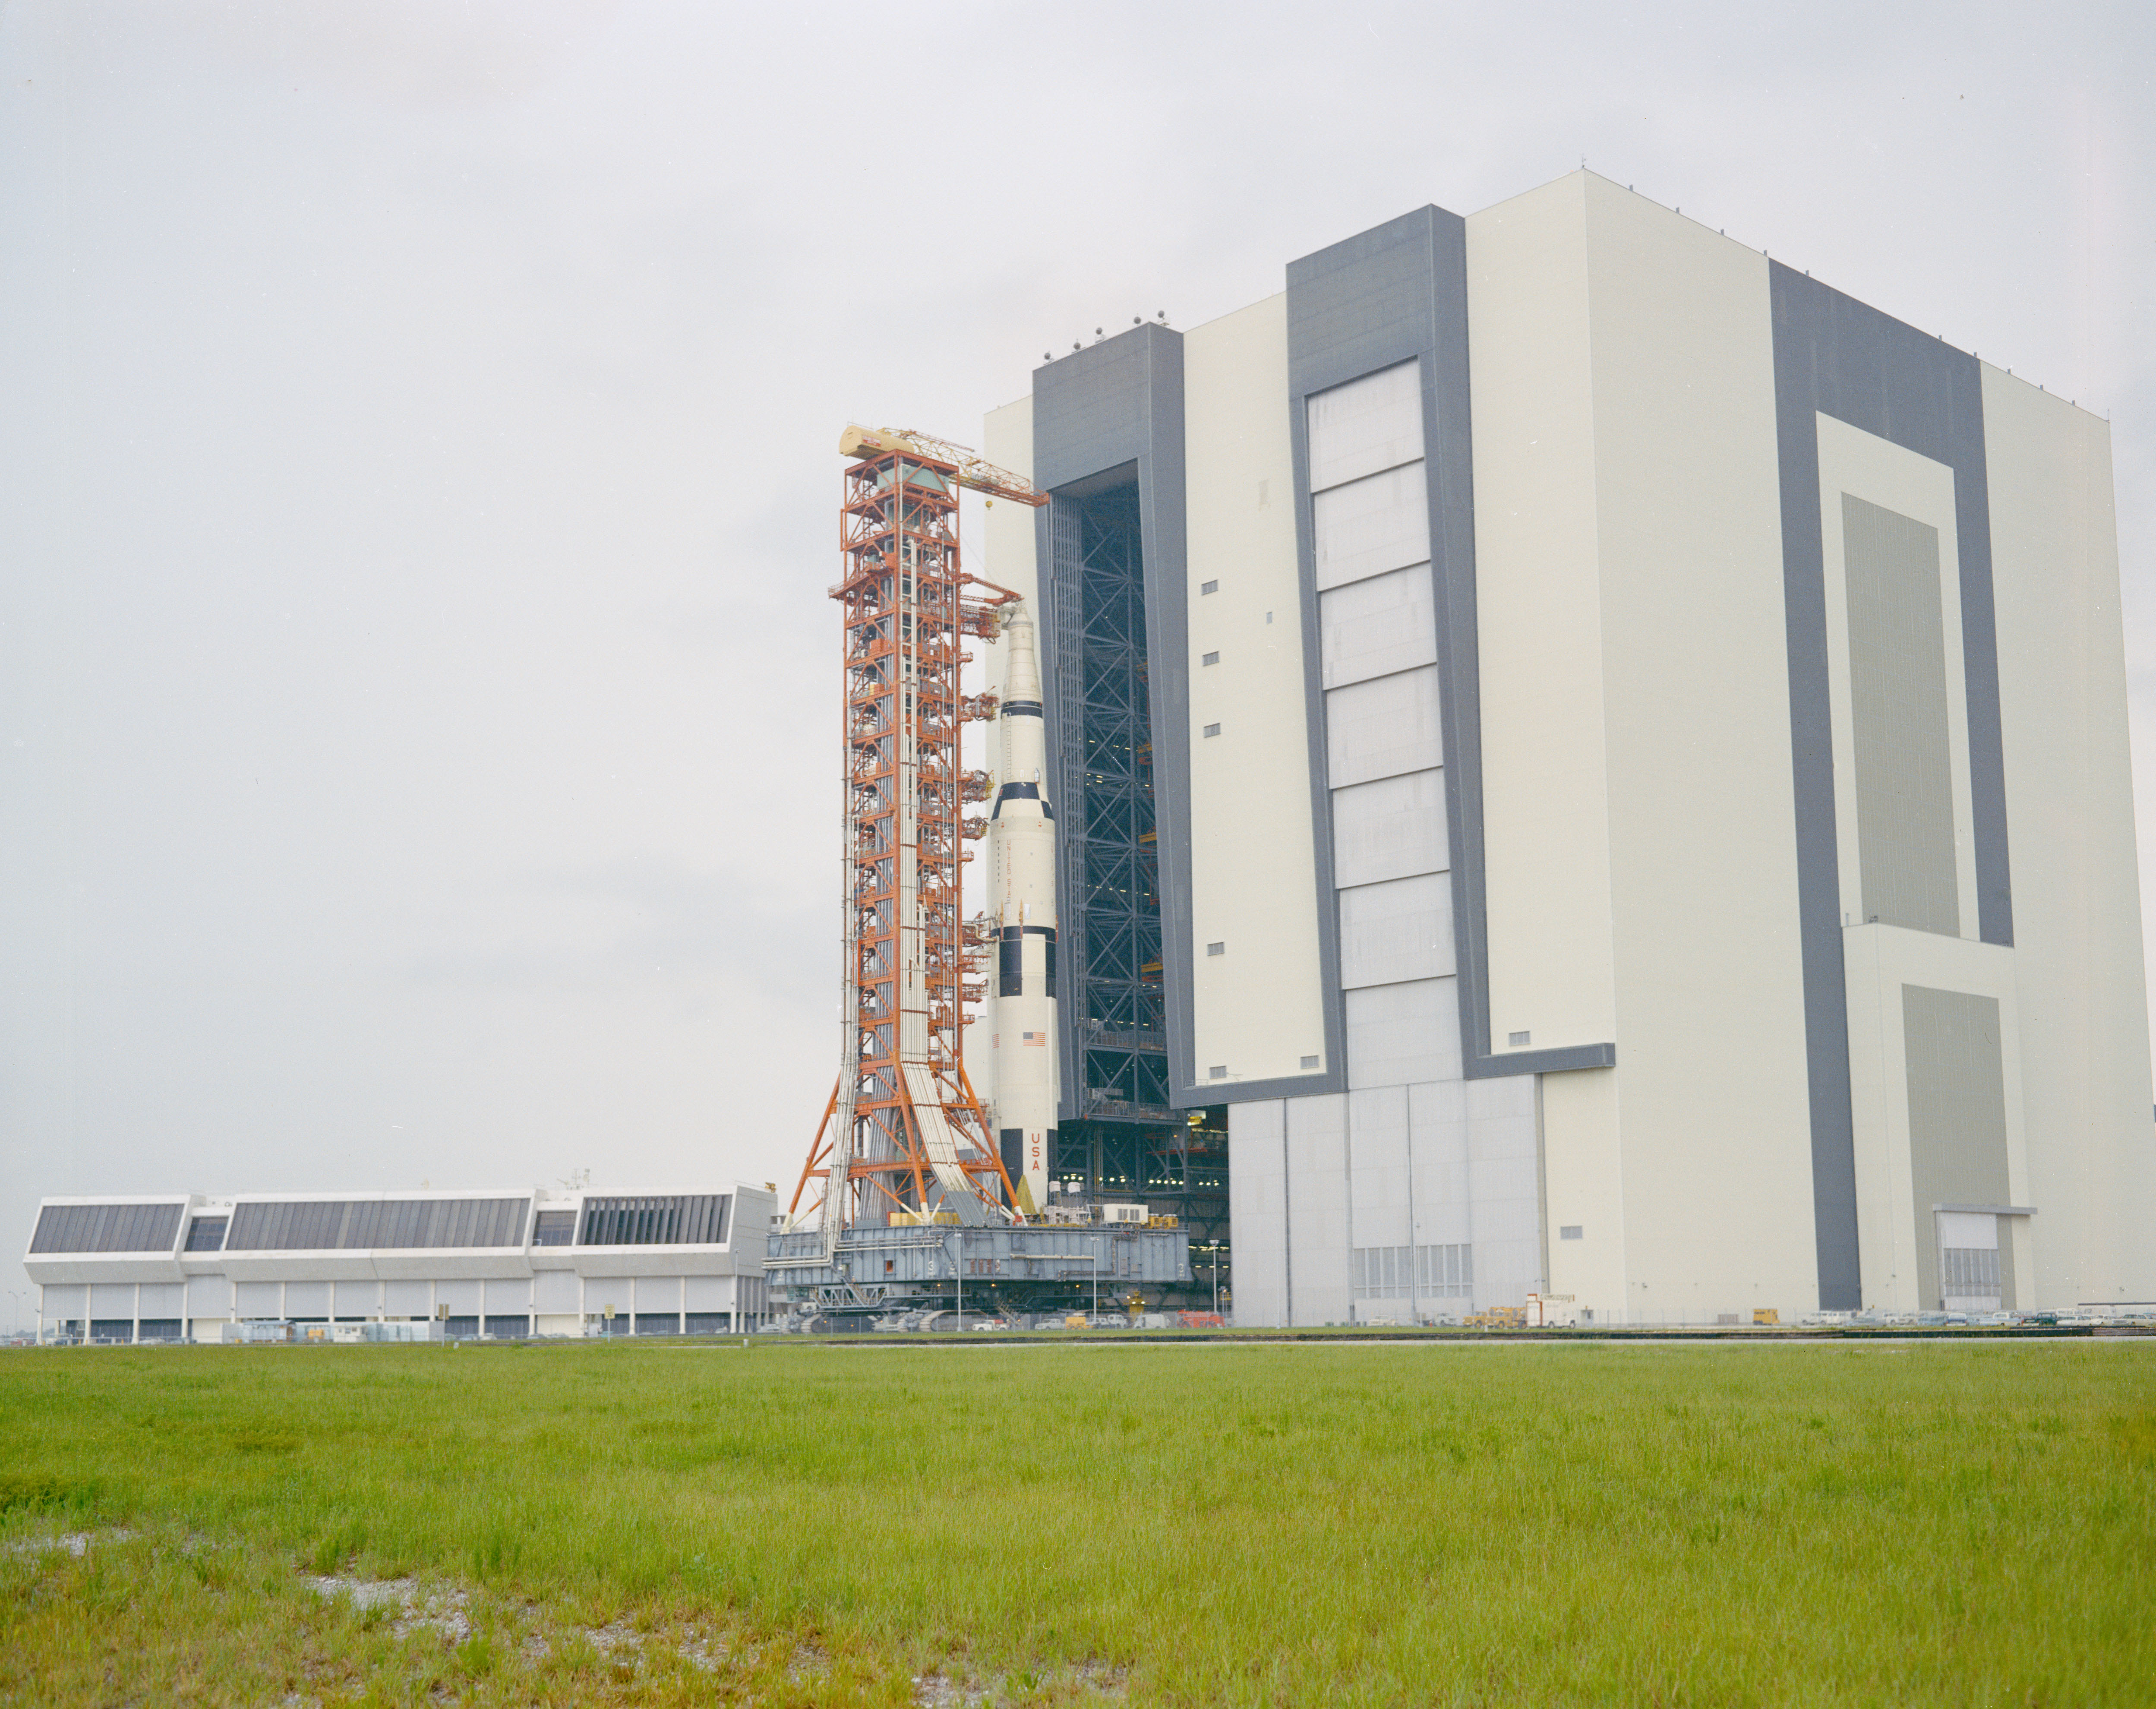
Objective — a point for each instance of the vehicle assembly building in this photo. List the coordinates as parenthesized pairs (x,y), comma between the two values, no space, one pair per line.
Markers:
(1601,762)
(563,1262)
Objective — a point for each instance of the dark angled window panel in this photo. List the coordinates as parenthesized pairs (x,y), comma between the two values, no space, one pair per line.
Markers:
(106,1227)
(376,1224)
(676,1220)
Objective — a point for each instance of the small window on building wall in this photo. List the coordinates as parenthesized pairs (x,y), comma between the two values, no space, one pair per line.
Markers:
(1212,729)
(1518,1038)
(554,1227)
(1212,659)
(1216,949)
(1209,587)
(1310,1062)
(1568,1231)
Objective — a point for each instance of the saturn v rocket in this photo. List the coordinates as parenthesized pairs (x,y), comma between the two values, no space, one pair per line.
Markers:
(1021,903)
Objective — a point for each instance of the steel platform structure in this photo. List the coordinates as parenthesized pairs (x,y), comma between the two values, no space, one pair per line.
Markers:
(880,1271)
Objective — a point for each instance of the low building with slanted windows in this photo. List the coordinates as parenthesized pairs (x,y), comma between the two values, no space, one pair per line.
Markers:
(536,1261)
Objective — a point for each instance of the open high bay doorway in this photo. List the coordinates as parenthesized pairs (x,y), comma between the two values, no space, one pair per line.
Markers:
(1119,1136)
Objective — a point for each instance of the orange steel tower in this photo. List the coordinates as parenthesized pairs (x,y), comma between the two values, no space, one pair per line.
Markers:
(903,1132)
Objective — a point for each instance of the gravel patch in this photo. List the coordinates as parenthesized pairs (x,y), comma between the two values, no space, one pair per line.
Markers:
(1100,1680)
(615,1635)
(73,1542)
(418,1610)
(367,1593)
(939,1690)
(1096,1681)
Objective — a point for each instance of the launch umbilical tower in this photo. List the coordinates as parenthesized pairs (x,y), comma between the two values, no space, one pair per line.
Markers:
(904,1134)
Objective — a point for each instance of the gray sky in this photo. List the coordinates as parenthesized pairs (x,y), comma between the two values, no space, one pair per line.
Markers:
(417,696)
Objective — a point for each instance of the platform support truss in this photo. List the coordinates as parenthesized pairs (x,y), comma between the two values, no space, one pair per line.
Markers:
(903,1132)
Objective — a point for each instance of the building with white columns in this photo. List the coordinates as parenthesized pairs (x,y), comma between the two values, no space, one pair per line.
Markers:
(524,1262)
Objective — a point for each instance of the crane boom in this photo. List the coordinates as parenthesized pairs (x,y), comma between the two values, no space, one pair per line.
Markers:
(974,470)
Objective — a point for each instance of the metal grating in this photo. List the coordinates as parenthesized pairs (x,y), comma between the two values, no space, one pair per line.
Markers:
(1969,1272)
(1413,1272)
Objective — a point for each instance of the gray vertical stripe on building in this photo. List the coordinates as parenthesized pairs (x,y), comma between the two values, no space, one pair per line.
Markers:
(1836,357)
(1905,829)
(1396,292)
(1957,1086)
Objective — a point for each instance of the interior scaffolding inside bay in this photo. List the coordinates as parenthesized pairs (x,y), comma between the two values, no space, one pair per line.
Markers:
(1125,1141)
(1116,861)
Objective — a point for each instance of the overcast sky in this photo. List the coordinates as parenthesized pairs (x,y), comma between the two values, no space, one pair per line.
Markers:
(417,696)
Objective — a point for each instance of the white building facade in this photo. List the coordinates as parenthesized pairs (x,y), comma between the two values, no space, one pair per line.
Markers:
(187,1267)
(1638,751)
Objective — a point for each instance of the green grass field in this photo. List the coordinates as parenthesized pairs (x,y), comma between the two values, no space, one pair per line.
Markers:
(793,1523)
